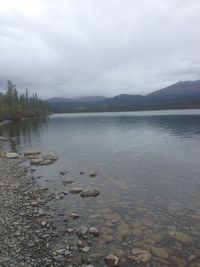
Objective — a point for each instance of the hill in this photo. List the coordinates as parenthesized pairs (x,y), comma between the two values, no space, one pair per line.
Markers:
(181,95)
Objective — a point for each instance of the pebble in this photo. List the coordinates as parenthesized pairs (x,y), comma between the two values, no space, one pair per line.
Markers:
(85,249)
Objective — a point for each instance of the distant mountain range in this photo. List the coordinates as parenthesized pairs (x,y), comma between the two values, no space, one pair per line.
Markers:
(181,95)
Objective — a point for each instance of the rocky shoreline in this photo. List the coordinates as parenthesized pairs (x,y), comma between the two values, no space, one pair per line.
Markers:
(32,236)
(28,234)
(23,241)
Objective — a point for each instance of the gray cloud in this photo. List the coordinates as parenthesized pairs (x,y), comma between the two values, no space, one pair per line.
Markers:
(89,47)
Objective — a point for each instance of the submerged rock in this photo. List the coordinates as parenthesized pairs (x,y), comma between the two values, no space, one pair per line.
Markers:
(140,256)
(66,182)
(50,156)
(112,260)
(43,159)
(63,172)
(74,216)
(93,174)
(94,231)
(92,193)
(76,190)
(180,236)
(36,161)
(160,253)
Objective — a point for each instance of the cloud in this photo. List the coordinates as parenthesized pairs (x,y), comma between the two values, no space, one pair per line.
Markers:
(89,47)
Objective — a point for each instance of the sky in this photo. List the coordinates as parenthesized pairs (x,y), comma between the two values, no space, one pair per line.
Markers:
(72,48)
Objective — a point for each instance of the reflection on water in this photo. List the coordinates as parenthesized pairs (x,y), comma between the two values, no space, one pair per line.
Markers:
(148,177)
(23,132)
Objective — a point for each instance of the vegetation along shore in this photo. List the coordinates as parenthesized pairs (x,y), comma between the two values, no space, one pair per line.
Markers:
(15,106)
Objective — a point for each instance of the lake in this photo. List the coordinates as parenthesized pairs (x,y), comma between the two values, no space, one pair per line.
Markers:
(148,176)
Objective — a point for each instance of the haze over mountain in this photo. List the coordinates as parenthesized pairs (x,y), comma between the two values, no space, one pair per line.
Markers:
(184,94)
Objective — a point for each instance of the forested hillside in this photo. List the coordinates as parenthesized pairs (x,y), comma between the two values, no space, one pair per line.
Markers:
(14,106)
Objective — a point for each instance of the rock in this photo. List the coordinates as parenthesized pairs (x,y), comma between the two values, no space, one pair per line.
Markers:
(43,223)
(107,238)
(94,231)
(112,260)
(60,251)
(95,256)
(50,156)
(74,216)
(45,162)
(66,182)
(40,212)
(31,153)
(63,172)
(76,190)
(80,244)
(160,253)
(12,155)
(180,236)
(36,161)
(93,174)
(58,258)
(120,253)
(82,231)
(81,173)
(92,193)
(70,230)
(140,256)
(85,249)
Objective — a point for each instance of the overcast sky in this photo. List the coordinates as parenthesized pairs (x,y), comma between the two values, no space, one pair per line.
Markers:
(98,47)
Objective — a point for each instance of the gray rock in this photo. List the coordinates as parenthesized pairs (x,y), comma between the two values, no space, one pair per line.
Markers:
(82,231)
(66,182)
(74,216)
(63,172)
(92,193)
(85,249)
(140,255)
(93,174)
(76,190)
(50,156)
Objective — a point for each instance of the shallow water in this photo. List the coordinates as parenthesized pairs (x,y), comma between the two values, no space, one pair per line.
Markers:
(148,166)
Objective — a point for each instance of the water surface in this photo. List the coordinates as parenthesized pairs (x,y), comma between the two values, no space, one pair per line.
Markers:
(148,166)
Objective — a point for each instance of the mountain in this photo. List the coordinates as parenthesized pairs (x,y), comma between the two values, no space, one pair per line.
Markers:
(183,94)
(179,89)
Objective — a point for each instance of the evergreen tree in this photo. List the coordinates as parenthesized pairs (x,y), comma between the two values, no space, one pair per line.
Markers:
(15,106)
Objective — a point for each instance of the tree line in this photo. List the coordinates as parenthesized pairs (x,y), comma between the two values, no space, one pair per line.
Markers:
(15,105)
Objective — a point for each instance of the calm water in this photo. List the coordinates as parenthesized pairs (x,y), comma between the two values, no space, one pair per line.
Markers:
(148,166)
